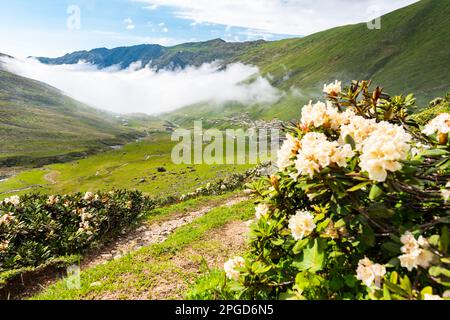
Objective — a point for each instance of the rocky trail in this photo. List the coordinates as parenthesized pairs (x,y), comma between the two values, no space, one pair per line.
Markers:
(149,234)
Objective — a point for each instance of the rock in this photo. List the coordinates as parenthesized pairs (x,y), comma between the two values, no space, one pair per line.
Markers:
(142,180)
(162,169)
(96,284)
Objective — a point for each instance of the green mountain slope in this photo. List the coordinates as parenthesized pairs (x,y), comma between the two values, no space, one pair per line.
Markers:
(38,124)
(411,53)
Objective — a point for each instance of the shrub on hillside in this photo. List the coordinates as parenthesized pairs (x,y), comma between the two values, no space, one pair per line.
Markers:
(37,228)
(359,208)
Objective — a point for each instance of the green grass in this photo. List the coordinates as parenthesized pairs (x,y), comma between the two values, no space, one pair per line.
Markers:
(137,273)
(124,168)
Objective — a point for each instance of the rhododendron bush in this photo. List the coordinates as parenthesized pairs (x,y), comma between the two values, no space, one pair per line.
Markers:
(34,229)
(359,207)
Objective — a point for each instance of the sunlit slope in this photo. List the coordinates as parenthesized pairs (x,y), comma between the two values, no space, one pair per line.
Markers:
(39,124)
(410,53)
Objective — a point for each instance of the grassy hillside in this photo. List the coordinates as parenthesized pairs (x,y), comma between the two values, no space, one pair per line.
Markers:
(135,166)
(409,54)
(38,124)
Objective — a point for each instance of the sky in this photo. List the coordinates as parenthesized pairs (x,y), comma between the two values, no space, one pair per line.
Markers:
(53,28)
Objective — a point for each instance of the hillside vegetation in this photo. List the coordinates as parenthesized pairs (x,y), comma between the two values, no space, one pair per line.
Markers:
(39,124)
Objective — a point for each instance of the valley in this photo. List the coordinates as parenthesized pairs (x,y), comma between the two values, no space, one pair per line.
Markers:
(100,191)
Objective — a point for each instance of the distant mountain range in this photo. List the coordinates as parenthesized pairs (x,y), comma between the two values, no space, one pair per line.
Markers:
(410,53)
(158,57)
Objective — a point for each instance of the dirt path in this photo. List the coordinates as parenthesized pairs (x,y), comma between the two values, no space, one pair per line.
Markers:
(221,244)
(149,234)
(182,269)
(51,177)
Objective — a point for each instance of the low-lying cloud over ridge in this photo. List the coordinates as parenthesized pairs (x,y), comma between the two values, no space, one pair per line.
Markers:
(147,91)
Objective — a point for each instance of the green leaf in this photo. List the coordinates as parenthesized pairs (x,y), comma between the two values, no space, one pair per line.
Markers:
(349,140)
(426,290)
(405,283)
(359,186)
(437,271)
(379,210)
(436,153)
(445,239)
(394,277)
(300,245)
(368,236)
(375,192)
(313,258)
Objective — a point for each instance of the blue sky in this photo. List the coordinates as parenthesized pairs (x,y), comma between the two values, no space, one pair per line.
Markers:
(40,27)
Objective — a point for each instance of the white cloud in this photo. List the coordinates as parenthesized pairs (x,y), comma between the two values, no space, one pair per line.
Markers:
(287,17)
(145,90)
(129,25)
(165,30)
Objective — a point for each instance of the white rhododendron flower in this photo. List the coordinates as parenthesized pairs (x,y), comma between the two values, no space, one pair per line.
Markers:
(321,115)
(440,124)
(370,273)
(359,129)
(428,296)
(446,192)
(317,153)
(4,246)
(88,196)
(7,218)
(415,252)
(333,89)
(287,152)
(383,150)
(301,225)
(231,267)
(52,200)
(262,210)
(14,200)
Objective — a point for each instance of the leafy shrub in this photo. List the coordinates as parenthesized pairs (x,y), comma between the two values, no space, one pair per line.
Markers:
(37,228)
(359,208)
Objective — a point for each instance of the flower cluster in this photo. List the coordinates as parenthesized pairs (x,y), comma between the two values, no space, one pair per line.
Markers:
(14,200)
(333,89)
(415,252)
(231,268)
(440,124)
(287,152)
(370,273)
(353,175)
(301,224)
(383,149)
(381,145)
(262,210)
(317,153)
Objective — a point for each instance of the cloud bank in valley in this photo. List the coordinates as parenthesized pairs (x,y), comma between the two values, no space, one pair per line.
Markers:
(143,90)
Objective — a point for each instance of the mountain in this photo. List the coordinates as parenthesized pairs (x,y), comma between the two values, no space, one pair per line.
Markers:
(410,53)
(156,56)
(39,124)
